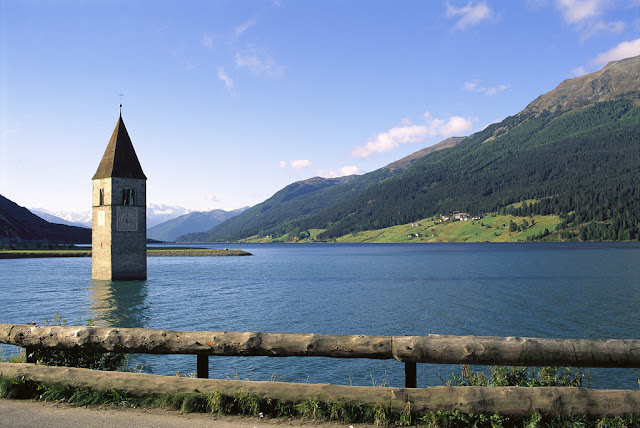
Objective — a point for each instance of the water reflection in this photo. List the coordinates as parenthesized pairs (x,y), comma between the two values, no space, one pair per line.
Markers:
(119,303)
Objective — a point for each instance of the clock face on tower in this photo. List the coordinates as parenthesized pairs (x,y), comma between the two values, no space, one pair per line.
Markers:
(127,219)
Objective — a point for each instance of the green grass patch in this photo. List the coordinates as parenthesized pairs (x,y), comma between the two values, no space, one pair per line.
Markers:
(492,228)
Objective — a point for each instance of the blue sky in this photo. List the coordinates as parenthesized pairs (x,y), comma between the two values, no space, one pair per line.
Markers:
(227,102)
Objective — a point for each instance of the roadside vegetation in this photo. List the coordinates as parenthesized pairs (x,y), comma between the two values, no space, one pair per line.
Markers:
(312,410)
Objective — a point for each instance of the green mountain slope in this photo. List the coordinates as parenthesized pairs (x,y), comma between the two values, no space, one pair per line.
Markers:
(288,207)
(190,223)
(295,200)
(586,161)
(576,150)
(19,225)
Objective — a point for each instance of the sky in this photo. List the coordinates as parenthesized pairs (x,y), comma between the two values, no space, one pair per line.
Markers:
(227,102)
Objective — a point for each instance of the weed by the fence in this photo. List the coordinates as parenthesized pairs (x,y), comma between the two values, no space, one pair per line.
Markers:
(17,388)
(518,376)
(192,403)
(14,357)
(311,409)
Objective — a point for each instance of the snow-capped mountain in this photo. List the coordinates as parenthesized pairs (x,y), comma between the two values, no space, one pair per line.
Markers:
(82,219)
(156,214)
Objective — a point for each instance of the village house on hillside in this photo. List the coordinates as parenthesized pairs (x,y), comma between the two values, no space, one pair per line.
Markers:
(457,216)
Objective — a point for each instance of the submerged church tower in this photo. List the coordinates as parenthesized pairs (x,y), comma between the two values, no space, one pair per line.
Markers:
(119,237)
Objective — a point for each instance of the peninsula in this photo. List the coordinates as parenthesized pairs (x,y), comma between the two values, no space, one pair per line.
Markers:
(151,252)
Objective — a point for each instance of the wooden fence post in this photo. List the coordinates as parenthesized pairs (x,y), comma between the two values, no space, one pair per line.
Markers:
(410,375)
(31,355)
(202,366)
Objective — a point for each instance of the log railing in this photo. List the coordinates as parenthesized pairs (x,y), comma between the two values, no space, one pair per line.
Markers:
(433,349)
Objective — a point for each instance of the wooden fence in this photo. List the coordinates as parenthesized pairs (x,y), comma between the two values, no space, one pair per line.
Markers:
(410,350)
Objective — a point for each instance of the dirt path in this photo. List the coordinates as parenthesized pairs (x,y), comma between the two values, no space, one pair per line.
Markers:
(27,413)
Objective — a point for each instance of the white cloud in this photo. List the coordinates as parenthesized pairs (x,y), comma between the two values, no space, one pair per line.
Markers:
(585,16)
(222,75)
(207,41)
(295,164)
(579,71)
(490,91)
(575,11)
(211,197)
(387,141)
(240,29)
(350,170)
(455,125)
(300,163)
(623,50)
(258,62)
(342,172)
(471,14)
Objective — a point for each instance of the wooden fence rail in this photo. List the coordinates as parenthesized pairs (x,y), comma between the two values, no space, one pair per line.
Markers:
(433,349)
(510,401)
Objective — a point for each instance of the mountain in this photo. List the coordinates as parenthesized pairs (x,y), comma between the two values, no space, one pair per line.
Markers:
(574,151)
(189,223)
(69,218)
(279,213)
(19,225)
(407,161)
(615,79)
(157,214)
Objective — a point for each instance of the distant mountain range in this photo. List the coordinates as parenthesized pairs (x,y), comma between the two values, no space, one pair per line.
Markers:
(18,225)
(190,223)
(156,214)
(574,151)
(69,218)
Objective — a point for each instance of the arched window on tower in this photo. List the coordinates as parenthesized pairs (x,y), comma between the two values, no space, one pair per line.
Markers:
(128,196)
(101,198)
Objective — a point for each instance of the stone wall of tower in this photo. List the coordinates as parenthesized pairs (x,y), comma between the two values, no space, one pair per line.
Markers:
(119,239)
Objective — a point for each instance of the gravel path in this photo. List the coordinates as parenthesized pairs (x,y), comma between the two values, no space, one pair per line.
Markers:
(27,413)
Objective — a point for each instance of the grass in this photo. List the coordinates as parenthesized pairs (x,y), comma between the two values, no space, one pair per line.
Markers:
(491,228)
(488,229)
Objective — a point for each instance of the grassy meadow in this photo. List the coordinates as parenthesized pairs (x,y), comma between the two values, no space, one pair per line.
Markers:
(492,228)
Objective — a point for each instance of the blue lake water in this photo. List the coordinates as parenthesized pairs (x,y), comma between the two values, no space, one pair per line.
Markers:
(539,290)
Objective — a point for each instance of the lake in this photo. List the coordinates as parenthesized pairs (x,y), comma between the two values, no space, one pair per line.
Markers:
(555,290)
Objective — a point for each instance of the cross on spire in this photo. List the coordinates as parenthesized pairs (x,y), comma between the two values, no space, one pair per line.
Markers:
(121,95)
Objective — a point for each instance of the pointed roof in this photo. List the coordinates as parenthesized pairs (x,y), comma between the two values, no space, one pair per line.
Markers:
(120,159)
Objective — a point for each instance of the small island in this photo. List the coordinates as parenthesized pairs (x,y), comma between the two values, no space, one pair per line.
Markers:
(151,252)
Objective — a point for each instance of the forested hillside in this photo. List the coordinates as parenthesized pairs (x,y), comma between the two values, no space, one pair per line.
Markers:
(574,150)
(585,163)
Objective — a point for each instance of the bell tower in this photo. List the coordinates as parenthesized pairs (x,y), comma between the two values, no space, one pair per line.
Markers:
(119,237)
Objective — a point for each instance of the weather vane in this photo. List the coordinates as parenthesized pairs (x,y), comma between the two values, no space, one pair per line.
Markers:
(121,95)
